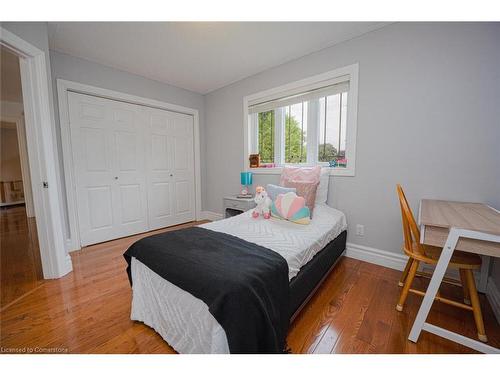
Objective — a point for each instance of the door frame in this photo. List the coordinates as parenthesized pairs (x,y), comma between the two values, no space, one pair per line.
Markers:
(63,87)
(42,154)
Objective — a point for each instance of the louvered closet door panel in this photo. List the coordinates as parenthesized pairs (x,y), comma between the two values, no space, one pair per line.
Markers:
(108,158)
(170,168)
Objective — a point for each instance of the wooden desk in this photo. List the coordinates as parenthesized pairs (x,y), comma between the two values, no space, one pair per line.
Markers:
(471,227)
(437,217)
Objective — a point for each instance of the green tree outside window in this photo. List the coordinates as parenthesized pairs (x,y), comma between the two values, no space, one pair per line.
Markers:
(294,139)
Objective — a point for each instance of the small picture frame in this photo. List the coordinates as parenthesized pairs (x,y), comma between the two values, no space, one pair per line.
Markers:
(254,160)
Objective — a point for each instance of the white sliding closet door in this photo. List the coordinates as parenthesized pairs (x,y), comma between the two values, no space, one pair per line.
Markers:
(170,167)
(108,156)
(133,166)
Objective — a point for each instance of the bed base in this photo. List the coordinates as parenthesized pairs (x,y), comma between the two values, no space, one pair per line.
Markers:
(313,274)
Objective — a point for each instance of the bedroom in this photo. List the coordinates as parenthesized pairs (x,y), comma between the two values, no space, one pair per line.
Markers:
(319,123)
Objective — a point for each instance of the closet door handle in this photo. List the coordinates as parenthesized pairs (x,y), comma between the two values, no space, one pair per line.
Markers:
(116,177)
(171,175)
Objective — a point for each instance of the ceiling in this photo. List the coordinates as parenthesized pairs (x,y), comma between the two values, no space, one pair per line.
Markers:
(198,56)
(10,89)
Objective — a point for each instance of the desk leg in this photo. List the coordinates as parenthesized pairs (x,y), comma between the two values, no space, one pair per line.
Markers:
(420,321)
(437,278)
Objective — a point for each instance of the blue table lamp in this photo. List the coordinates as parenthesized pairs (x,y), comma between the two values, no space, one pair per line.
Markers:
(245,179)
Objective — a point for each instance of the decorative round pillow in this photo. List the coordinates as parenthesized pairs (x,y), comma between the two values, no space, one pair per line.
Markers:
(291,207)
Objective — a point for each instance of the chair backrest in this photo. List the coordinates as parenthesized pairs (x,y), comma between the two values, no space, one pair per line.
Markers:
(411,232)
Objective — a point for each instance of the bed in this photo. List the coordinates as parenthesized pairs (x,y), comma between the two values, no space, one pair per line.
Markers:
(185,322)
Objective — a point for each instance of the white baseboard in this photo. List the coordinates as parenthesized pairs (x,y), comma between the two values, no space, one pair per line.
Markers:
(493,295)
(68,266)
(204,215)
(381,257)
(70,246)
(392,260)
(209,215)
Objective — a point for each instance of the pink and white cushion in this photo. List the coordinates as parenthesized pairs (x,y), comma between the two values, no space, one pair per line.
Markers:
(304,174)
(291,207)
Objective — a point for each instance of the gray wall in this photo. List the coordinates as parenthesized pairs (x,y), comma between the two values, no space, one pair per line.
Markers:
(495,272)
(428,118)
(87,72)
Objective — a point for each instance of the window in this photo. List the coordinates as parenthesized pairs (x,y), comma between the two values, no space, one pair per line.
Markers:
(332,127)
(266,136)
(306,124)
(295,134)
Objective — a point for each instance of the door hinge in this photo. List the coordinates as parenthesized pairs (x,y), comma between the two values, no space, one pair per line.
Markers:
(45,184)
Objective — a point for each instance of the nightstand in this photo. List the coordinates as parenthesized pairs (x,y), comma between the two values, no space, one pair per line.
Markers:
(234,206)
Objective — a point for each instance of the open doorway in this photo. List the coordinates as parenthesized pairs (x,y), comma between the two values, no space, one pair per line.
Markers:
(40,130)
(20,261)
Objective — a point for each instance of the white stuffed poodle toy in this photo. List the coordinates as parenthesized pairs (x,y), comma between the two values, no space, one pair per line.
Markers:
(263,203)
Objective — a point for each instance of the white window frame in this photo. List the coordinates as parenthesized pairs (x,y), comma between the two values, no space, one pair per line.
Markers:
(349,73)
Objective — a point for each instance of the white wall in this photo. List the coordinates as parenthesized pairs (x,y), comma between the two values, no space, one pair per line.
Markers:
(428,118)
(90,73)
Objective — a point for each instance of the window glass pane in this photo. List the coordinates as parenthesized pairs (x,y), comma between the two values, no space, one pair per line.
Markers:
(266,137)
(329,128)
(296,133)
(343,125)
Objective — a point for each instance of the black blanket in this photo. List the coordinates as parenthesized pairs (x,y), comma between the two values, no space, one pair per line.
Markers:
(244,285)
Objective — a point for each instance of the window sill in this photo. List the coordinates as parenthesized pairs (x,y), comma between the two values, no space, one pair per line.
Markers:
(346,172)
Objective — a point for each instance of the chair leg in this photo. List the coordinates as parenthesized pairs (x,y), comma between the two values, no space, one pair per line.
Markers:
(405,272)
(476,307)
(407,285)
(463,279)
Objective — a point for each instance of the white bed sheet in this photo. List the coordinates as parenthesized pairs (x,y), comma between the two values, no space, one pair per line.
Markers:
(297,243)
(183,320)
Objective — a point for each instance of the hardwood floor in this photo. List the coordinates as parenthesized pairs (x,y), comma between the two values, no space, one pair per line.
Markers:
(20,263)
(88,311)
(354,312)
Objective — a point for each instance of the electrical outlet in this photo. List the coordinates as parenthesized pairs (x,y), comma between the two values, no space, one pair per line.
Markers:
(360,230)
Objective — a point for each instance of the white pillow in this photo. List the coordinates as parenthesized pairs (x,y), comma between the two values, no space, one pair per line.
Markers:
(324,181)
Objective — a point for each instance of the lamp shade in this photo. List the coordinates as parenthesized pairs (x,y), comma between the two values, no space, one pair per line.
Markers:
(246,178)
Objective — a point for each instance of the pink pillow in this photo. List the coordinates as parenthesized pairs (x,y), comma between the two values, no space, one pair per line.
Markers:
(304,174)
(305,189)
(305,180)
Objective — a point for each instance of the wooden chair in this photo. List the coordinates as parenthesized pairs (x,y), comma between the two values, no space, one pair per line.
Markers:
(417,253)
